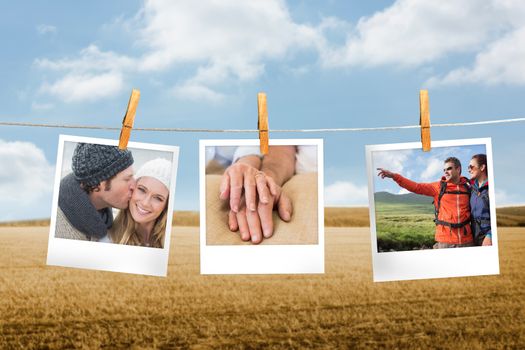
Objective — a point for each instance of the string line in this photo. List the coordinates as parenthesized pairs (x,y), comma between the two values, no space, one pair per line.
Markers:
(97,127)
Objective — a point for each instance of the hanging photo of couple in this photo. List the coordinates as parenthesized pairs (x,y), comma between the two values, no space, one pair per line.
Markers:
(112,208)
(432,213)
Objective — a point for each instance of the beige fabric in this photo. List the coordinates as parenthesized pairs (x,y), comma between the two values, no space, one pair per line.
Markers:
(302,229)
(64,229)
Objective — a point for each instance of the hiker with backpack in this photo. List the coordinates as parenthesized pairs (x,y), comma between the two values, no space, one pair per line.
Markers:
(479,200)
(451,201)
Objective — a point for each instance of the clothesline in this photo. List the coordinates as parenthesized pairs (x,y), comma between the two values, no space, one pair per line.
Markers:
(97,127)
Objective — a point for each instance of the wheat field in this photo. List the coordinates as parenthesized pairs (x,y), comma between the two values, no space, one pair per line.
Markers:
(54,307)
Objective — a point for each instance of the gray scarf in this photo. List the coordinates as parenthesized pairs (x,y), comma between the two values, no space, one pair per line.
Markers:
(79,210)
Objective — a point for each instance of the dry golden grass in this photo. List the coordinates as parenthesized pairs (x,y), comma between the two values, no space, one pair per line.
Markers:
(346,217)
(26,223)
(54,307)
(180,218)
(186,218)
(511,216)
(333,217)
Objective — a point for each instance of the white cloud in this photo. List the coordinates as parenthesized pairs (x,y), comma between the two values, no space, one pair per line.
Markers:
(504,199)
(89,59)
(41,106)
(345,193)
(216,43)
(391,160)
(85,87)
(501,198)
(91,76)
(412,32)
(502,62)
(27,178)
(433,170)
(197,92)
(227,40)
(234,33)
(403,191)
(43,29)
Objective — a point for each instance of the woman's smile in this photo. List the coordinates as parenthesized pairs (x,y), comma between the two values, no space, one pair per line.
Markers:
(142,211)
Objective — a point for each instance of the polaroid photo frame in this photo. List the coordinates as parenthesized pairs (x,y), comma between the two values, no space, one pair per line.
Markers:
(248,258)
(105,255)
(427,262)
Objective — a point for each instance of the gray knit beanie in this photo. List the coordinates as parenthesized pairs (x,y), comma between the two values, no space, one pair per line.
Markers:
(93,164)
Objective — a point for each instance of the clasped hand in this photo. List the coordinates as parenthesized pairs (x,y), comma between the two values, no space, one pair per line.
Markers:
(253,195)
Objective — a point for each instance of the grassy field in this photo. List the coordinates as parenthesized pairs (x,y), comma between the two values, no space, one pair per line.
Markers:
(401,227)
(346,217)
(511,216)
(54,307)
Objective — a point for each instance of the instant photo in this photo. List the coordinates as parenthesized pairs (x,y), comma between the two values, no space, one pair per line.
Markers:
(261,213)
(112,209)
(432,214)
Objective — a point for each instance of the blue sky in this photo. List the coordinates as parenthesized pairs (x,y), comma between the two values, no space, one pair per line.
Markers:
(420,166)
(200,65)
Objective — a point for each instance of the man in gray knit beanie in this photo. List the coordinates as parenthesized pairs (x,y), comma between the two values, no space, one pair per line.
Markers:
(102,179)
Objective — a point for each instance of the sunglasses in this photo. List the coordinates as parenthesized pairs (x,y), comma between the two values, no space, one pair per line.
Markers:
(470,167)
(448,169)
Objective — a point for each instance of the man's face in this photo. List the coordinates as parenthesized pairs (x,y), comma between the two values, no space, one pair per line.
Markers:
(452,173)
(121,188)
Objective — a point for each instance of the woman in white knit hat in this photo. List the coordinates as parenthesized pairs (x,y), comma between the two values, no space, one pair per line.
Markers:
(144,221)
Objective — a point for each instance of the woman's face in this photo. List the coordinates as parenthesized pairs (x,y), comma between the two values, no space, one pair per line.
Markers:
(473,169)
(148,200)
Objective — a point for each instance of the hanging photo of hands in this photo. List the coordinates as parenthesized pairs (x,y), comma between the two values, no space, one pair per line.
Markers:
(268,206)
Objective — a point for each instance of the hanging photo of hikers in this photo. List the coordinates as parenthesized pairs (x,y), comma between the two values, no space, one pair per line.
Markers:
(426,205)
(432,200)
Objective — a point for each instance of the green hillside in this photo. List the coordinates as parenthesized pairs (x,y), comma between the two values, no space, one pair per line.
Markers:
(406,198)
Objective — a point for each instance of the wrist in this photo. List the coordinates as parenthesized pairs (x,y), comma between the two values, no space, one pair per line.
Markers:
(251,160)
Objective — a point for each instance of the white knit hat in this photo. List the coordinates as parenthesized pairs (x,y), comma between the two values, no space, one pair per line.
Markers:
(158,168)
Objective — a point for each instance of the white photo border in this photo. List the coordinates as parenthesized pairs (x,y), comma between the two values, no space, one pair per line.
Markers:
(262,259)
(433,263)
(110,256)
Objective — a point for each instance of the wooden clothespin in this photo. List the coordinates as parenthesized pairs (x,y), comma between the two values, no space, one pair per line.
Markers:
(129,118)
(424,119)
(262,123)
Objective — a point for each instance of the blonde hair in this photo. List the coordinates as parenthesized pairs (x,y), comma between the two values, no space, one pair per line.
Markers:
(124,230)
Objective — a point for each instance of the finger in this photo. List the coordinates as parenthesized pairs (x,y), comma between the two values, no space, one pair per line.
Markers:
(285,207)
(243,225)
(254,224)
(274,188)
(236,182)
(224,188)
(232,221)
(262,189)
(265,212)
(250,191)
